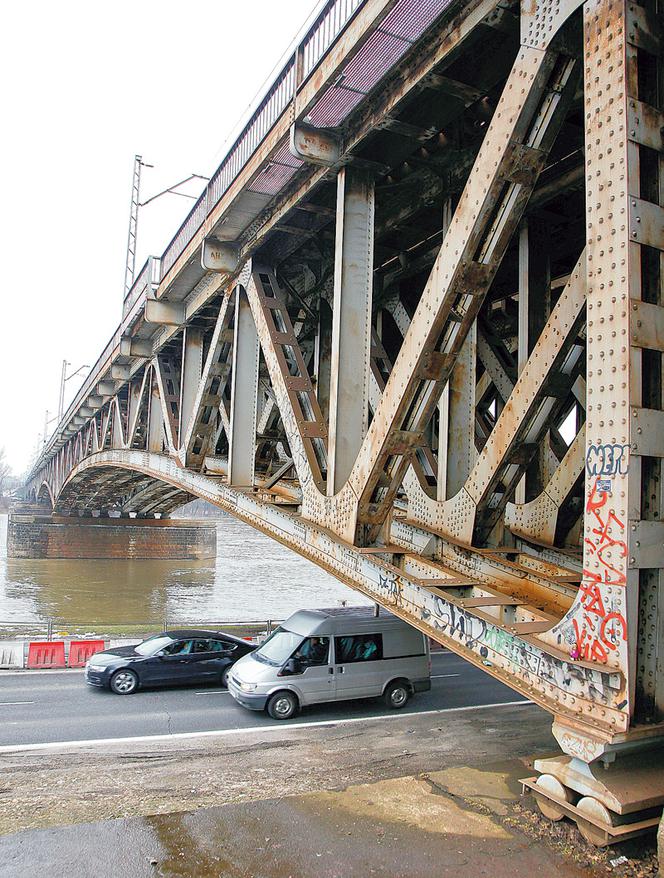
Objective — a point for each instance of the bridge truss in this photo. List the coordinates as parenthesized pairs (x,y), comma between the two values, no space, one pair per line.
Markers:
(413,330)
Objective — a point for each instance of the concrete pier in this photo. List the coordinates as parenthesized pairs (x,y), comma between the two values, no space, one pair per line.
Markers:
(35,535)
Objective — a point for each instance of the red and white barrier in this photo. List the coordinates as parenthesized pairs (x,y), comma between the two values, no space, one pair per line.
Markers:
(46,654)
(81,650)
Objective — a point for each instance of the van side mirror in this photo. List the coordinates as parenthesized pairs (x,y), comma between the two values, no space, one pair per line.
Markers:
(292,666)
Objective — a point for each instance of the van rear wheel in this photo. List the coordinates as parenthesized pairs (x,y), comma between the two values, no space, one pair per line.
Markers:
(396,695)
(282,705)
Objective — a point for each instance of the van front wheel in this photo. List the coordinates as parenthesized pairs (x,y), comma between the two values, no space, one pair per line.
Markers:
(282,705)
(396,695)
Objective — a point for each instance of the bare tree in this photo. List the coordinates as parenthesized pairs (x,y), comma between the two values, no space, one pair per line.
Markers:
(5,471)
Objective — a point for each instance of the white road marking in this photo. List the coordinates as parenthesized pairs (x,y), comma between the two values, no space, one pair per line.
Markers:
(16,702)
(222,733)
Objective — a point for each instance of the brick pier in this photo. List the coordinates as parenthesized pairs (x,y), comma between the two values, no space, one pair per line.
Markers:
(31,535)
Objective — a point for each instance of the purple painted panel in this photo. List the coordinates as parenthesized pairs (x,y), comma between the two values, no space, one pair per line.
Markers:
(272,178)
(410,18)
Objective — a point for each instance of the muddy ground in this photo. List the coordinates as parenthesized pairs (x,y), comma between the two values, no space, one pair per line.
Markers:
(404,792)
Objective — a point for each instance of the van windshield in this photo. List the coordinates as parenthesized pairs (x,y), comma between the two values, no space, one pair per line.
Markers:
(278,647)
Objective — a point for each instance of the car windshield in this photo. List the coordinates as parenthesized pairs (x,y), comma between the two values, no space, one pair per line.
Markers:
(279,647)
(153,644)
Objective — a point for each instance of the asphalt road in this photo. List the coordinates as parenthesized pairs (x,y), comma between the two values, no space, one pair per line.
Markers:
(50,707)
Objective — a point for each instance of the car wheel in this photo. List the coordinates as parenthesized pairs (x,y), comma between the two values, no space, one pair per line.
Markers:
(282,705)
(396,695)
(124,682)
(225,674)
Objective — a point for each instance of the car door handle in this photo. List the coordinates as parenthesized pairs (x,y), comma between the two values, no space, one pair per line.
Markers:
(340,670)
(330,670)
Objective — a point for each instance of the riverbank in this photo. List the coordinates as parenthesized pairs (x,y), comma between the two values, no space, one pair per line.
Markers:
(417,795)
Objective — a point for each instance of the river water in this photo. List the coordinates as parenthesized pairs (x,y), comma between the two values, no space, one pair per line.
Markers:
(253,578)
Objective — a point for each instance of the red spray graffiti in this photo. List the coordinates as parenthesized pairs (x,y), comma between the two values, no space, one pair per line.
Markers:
(602,629)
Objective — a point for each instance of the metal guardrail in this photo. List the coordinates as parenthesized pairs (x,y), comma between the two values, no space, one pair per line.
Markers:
(148,277)
(57,628)
(327,29)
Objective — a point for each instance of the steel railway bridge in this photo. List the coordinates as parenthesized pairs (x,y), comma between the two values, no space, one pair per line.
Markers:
(413,329)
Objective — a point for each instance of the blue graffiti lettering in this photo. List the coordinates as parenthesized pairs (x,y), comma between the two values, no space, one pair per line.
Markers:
(607,460)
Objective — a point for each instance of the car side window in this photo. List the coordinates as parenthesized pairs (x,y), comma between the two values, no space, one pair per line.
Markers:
(221,646)
(358,648)
(203,645)
(178,647)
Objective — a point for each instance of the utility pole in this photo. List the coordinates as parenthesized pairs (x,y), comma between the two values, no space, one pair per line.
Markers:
(130,267)
(61,398)
(63,380)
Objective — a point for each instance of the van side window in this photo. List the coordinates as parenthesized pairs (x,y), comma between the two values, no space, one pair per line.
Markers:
(313,651)
(358,648)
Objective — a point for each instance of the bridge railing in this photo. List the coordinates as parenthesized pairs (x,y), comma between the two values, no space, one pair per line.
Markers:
(149,276)
(327,26)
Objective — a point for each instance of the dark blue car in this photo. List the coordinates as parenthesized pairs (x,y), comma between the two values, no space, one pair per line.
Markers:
(167,659)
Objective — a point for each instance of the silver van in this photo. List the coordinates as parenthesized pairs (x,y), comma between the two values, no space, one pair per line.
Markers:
(328,655)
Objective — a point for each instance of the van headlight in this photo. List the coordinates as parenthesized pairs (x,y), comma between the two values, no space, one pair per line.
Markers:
(247,687)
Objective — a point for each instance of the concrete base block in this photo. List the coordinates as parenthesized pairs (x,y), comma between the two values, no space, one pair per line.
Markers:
(12,654)
(46,536)
(633,783)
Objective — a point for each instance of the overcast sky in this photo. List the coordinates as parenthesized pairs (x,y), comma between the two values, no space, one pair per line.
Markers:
(85,86)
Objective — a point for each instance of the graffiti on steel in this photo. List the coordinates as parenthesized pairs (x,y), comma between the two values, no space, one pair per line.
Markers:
(607,460)
(595,628)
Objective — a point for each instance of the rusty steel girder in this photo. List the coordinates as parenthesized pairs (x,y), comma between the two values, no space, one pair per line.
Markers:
(454,269)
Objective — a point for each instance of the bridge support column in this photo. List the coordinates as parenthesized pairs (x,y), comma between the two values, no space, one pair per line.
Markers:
(615,785)
(155,440)
(351,324)
(244,395)
(36,536)
(192,368)
(457,419)
(534,309)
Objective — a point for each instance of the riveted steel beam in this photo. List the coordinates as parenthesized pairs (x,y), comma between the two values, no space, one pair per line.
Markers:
(351,324)
(220,256)
(461,276)
(106,388)
(135,347)
(164,313)
(315,145)
(244,395)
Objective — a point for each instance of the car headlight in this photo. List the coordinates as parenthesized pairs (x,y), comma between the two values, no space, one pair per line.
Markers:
(95,667)
(247,687)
